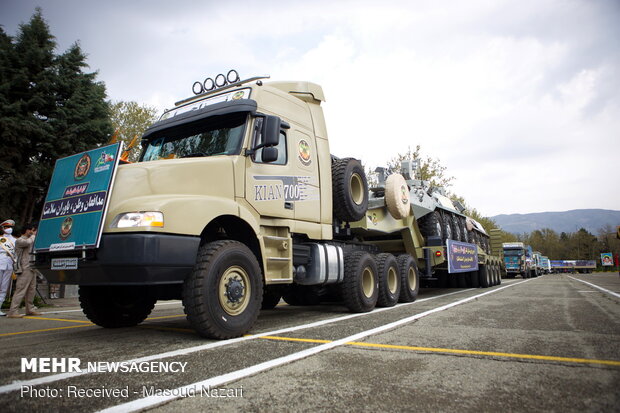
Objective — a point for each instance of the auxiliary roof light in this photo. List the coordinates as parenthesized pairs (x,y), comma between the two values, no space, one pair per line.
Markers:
(220,81)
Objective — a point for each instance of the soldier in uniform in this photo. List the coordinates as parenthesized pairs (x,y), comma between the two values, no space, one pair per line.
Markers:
(7,257)
(26,285)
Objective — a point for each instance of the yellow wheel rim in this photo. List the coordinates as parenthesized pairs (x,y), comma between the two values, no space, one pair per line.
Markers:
(356,185)
(368,282)
(234,290)
(392,280)
(411,279)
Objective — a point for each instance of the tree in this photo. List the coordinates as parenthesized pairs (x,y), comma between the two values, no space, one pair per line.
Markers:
(130,119)
(50,109)
(430,169)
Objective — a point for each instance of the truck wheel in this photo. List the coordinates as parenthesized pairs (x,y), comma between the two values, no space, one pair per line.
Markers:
(271,297)
(484,277)
(116,306)
(360,289)
(222,296)
(349,189)
(409,278)
(499,274)
(389,280)
(462,282)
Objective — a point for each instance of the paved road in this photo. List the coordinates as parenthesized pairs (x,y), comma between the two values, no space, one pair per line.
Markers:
(550,343)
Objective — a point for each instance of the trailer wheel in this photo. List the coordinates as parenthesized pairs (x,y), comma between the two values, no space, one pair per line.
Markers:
(222,296)
(499,274)
(389,280)
(271,297)
(360,289)
(462,282)
(116,306)
(350,189)
(409,278)
(484,276)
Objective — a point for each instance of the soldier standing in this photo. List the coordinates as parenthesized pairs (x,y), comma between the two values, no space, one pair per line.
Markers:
(26,285)
(7,258)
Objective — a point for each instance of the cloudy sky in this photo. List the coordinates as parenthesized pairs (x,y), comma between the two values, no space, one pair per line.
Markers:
(519,99)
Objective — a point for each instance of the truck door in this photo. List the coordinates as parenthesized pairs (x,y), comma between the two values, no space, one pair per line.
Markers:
(268,185)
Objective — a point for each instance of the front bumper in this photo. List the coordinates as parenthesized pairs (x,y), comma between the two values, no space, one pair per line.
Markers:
(127,259)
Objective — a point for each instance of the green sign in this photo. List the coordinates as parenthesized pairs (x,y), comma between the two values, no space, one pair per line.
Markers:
(77,200)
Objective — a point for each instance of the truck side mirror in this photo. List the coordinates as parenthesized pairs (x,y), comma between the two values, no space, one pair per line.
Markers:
(271,131)
(269,154)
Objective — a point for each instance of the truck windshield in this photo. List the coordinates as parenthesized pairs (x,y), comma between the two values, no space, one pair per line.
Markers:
(513,252)
(221,135)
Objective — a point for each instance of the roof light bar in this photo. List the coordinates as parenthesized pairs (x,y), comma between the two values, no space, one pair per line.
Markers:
(220,81)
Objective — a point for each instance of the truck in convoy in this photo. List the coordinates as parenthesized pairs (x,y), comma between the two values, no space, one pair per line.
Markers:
(236,202)
(545,265)
(573,266)
(519,260)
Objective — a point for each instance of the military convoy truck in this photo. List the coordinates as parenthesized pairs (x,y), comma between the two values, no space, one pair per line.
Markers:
(236,202)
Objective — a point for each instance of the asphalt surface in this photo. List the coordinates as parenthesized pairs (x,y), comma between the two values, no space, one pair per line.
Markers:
(545,344)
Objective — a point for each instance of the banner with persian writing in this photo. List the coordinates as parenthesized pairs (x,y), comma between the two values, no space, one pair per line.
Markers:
(77,199)
(462,256)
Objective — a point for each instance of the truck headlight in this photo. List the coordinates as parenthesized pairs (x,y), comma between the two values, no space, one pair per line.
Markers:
(138,219)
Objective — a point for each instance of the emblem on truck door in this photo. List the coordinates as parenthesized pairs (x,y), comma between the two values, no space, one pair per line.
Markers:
(304,152)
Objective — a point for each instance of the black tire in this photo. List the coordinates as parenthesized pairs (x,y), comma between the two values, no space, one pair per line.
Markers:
(458,234)
(448,231)
(462,282)
(301,295)
(116,306)
(474,279)
(360,289)
(215,295)
(409,278)
(500,273)
(349,189)
(271,297)
(389,280)
(483,276)
(430,225)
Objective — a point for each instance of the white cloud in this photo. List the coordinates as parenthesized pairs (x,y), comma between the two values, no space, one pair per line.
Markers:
(519,99)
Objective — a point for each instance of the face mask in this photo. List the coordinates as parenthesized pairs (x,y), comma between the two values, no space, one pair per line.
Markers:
(8,231)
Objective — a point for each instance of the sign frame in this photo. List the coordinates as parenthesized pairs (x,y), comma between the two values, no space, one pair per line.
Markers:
(461,257)
(77,200)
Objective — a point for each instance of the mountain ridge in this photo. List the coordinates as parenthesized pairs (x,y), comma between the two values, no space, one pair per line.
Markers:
(560,221)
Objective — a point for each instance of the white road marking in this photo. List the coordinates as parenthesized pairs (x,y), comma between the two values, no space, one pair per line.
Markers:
(596,286)
(152,401)
(16,385)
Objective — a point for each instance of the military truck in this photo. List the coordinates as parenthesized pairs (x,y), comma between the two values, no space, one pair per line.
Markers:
(236,202)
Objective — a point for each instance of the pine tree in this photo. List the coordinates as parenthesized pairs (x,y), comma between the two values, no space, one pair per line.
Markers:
(50,109)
